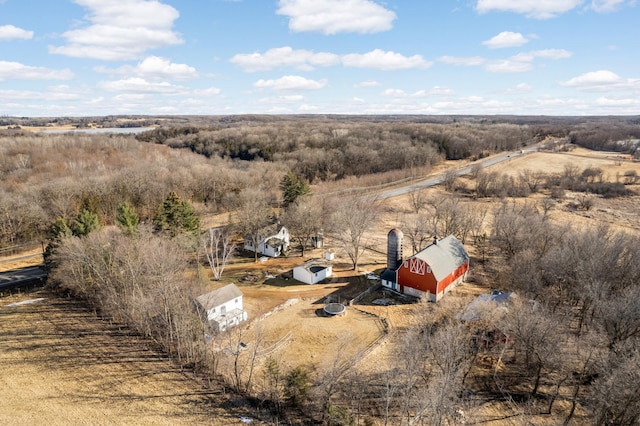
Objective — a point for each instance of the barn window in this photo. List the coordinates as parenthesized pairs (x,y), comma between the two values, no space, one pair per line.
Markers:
(428,269)
(406,264)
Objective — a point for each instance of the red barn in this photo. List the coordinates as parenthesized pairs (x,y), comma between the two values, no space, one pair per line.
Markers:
(431,272)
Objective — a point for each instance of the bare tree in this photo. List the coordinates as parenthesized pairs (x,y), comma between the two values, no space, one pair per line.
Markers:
(253,215)
(303,218)
(350,221)
(449,179)
(417,199)
(616,398)
(416,228)
(531,179)
(219,249)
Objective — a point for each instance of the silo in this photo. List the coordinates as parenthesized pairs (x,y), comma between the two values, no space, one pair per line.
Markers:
(394,249)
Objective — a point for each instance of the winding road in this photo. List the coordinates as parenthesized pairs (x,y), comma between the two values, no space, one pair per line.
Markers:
(436,180)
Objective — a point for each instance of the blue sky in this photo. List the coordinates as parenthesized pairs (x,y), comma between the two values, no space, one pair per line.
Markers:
(524,57)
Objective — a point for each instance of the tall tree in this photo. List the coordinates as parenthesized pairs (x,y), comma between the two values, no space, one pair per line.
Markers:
(86,222)
(127,218)
(58,231)
(293,187)
(253,215)
(218,248)
(176,215)
(351,219)
(303,218)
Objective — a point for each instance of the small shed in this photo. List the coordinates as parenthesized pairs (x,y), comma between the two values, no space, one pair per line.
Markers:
(223,307)
(313,271)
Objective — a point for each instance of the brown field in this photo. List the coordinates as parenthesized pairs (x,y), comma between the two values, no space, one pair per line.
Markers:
(63,366)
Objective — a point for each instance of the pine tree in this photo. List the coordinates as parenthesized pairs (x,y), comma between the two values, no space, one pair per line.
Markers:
(127,219)
(293,187)
(86,222)
(176,215)
(58,231)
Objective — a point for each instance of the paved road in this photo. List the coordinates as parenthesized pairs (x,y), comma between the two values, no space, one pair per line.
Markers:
(17,277)
(436,180)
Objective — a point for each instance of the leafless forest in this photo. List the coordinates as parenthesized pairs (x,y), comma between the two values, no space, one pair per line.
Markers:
(567,351)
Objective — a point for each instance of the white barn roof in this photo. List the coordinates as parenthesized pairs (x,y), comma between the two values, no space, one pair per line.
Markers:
(219,297)
(444,257)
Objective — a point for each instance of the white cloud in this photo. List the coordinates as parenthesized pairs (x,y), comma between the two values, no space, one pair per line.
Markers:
(434,91)
(469,61)
(505,39)
(604,6)
(602,80)
(511,65)
(284,57)
(121,30)
(523,62)
(369,83)
(336,16)
(278,100)
(520,88)
(387,61)
(18,71)
(554,54)
(156,68)
(291,82)
(617,102)
(210,91)
(48,96)
(306,60)
(539,9)
(140,85)
(8,32)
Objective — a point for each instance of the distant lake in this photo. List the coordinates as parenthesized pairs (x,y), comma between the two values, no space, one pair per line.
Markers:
(118,130)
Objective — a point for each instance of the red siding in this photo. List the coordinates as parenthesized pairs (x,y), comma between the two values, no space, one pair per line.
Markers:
(460,271)
(426,282)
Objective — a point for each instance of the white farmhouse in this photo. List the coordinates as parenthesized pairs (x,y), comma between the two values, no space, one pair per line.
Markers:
(313,271)
(273,241)
(223,307)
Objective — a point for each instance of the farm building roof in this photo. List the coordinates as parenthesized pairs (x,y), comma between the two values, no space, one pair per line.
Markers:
(311,265)
(444,256)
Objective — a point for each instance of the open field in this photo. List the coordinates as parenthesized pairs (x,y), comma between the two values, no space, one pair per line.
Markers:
(61,356)
(61,366)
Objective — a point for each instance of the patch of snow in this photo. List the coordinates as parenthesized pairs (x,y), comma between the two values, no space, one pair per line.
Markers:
(244,419)
(263,259)
(269,276)
(373,277)
(27,302)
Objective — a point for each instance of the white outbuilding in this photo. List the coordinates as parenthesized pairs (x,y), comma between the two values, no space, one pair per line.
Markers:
(313,271)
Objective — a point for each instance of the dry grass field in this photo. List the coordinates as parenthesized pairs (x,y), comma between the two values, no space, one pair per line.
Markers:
(63,366)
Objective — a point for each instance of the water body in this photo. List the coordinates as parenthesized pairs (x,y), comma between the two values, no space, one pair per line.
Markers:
(116,130)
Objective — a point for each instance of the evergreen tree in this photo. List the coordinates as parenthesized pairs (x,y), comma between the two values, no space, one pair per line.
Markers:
(293,187)
(58,231)
(127,219)
(86,222)
(176,215)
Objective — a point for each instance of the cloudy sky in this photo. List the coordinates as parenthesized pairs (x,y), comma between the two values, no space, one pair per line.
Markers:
(527,57)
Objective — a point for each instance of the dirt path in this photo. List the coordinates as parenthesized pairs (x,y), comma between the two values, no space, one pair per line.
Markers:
(61,365)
